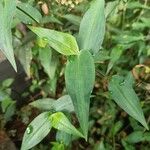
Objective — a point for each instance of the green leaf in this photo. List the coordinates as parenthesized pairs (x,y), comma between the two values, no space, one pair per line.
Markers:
(7,83)
(50,19)
(136,4)
(61,104)
(127,146)
(73,19)
(129,37)
(114,56)
(80,77)
(57,146)
(100,146)
(36,131)
(24,54)
(27,14)
(3,96)
(64,137)
(116,127)
(101,56)
(48,60)
(62,42)
(7,11)
(110,7)
(8,108)
(92,27)
(138,136)
(60,122)
(141,24)
(123,94)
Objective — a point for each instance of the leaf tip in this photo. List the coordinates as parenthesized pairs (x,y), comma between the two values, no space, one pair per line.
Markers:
(146,126)
(13,63)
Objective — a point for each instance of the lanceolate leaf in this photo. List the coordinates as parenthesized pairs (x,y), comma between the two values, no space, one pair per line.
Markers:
(62,42)
(138,136)
(73,19)
(48,60)
(63,137)
(27,14)
(92,27)
(24,54)
(64,103)
(110,7)
(36,131)
(80,76)
(7,10)
(114,56)
(60,121)
(123,94)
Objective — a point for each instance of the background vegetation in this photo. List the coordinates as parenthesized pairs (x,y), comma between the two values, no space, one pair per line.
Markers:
(126,47)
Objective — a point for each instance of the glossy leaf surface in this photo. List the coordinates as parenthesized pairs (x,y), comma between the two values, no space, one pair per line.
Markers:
(36,131)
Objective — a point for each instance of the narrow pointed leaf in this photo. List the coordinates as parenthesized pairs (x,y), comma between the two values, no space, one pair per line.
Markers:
(36,131)
(80,76)
(138,136)
(124,95)
(27,14)
(24,54)
(7,11)
(114,56)
(73,19)
(62,42)
(63,137)
(49,61)
(92,27)
(60,121)
(110,7)
(61,104)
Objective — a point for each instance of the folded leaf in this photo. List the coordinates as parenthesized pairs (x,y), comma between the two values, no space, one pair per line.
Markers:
(36,131)
(92,27)
(7,11)
(123,94)
(60,121)
(62,42)
(80,77)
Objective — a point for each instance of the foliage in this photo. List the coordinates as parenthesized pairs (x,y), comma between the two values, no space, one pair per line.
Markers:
(82,58)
